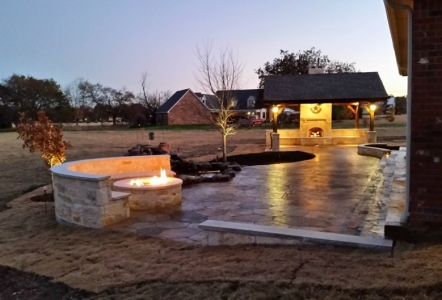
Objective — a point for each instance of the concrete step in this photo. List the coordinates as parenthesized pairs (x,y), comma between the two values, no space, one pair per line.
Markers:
(119,195)
(232,233)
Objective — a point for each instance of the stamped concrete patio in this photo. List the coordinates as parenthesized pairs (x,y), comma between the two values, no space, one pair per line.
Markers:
(334,192)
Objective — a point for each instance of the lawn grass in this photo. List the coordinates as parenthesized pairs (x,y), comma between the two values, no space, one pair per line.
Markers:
(21,171)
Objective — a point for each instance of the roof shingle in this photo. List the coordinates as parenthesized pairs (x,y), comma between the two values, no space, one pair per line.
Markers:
(164,109)
(344,87)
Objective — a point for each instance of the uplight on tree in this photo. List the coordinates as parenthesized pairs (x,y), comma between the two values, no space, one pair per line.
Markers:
(41,135)
(220,75)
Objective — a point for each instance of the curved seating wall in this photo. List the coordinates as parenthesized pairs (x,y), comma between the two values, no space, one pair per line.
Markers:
(118,165)
(82,189)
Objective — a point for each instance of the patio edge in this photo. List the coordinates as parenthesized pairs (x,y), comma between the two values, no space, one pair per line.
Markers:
(232,233)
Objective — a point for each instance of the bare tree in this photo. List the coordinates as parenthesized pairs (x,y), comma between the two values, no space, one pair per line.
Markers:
(220,75)
(73,94)
(152,101)
(108,99)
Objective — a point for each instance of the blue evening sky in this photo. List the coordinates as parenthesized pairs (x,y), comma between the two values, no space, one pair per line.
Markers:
(113,42)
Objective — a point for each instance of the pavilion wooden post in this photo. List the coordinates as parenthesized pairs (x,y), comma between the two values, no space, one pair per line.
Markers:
(355,111)
(371,112)
(275,119)
(357,117)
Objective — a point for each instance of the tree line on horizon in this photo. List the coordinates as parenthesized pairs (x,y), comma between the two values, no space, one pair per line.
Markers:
(83,100)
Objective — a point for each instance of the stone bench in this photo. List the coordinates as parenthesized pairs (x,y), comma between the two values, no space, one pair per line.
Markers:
(232,233)
(82,189)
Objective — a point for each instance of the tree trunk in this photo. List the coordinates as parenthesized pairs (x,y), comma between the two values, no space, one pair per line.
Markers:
(114,120)
(224,148)
(153,119)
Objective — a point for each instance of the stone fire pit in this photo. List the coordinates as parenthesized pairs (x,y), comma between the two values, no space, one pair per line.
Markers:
(158,198)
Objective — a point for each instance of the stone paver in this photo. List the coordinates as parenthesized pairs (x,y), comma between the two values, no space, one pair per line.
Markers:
(338,191)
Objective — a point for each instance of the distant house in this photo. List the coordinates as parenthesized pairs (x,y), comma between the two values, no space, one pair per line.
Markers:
(249,102)
(244,102)
(183,108)
(210,101)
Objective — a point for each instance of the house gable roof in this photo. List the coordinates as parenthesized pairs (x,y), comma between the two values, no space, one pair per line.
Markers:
(342,87)
(211,102)
(174,99)
(171,102)
(242,96)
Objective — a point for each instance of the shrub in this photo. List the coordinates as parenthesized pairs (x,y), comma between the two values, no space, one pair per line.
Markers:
(43,136)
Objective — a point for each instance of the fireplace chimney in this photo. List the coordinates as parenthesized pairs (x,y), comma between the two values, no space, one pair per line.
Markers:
(315,68)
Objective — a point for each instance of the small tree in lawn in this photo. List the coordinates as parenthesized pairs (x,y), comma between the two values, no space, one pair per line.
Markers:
(220,76)
(43,136)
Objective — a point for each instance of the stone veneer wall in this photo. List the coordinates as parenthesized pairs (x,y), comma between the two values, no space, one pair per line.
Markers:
(82,189)
(336,137)
(159,200)
(309,119)
(87,202)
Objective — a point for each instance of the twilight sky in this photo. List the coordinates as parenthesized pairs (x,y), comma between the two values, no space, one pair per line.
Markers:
(114,42)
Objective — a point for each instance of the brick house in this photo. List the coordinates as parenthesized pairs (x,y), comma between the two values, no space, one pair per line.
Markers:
(183,108)
(419,56)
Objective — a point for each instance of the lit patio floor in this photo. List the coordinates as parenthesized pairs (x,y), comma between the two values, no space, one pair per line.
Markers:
(326,193)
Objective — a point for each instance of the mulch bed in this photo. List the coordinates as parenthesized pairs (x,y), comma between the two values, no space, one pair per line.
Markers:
(268,158)
(43,198)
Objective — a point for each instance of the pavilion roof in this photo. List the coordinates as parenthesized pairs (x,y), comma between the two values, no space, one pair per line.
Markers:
(325,88)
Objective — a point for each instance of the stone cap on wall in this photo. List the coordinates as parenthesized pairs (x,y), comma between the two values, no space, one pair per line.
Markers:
(68,169)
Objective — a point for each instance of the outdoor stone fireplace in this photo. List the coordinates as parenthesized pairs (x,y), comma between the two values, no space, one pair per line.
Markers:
(315,128)
(316,132)
(315,120)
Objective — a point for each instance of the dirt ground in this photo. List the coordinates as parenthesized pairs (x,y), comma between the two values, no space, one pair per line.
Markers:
(109,265)
(132,267)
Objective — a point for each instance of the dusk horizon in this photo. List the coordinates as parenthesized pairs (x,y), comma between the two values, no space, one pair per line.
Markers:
(114,43)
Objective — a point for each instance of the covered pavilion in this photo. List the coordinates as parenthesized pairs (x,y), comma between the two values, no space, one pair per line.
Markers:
(315,93)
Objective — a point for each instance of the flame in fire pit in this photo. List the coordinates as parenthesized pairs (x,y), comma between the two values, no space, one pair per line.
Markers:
(150,181)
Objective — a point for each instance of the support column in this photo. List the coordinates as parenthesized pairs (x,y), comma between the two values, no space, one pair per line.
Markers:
(357,117)
(275,110)
(371,134)
(356,113)
(275,141)
(371,137)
